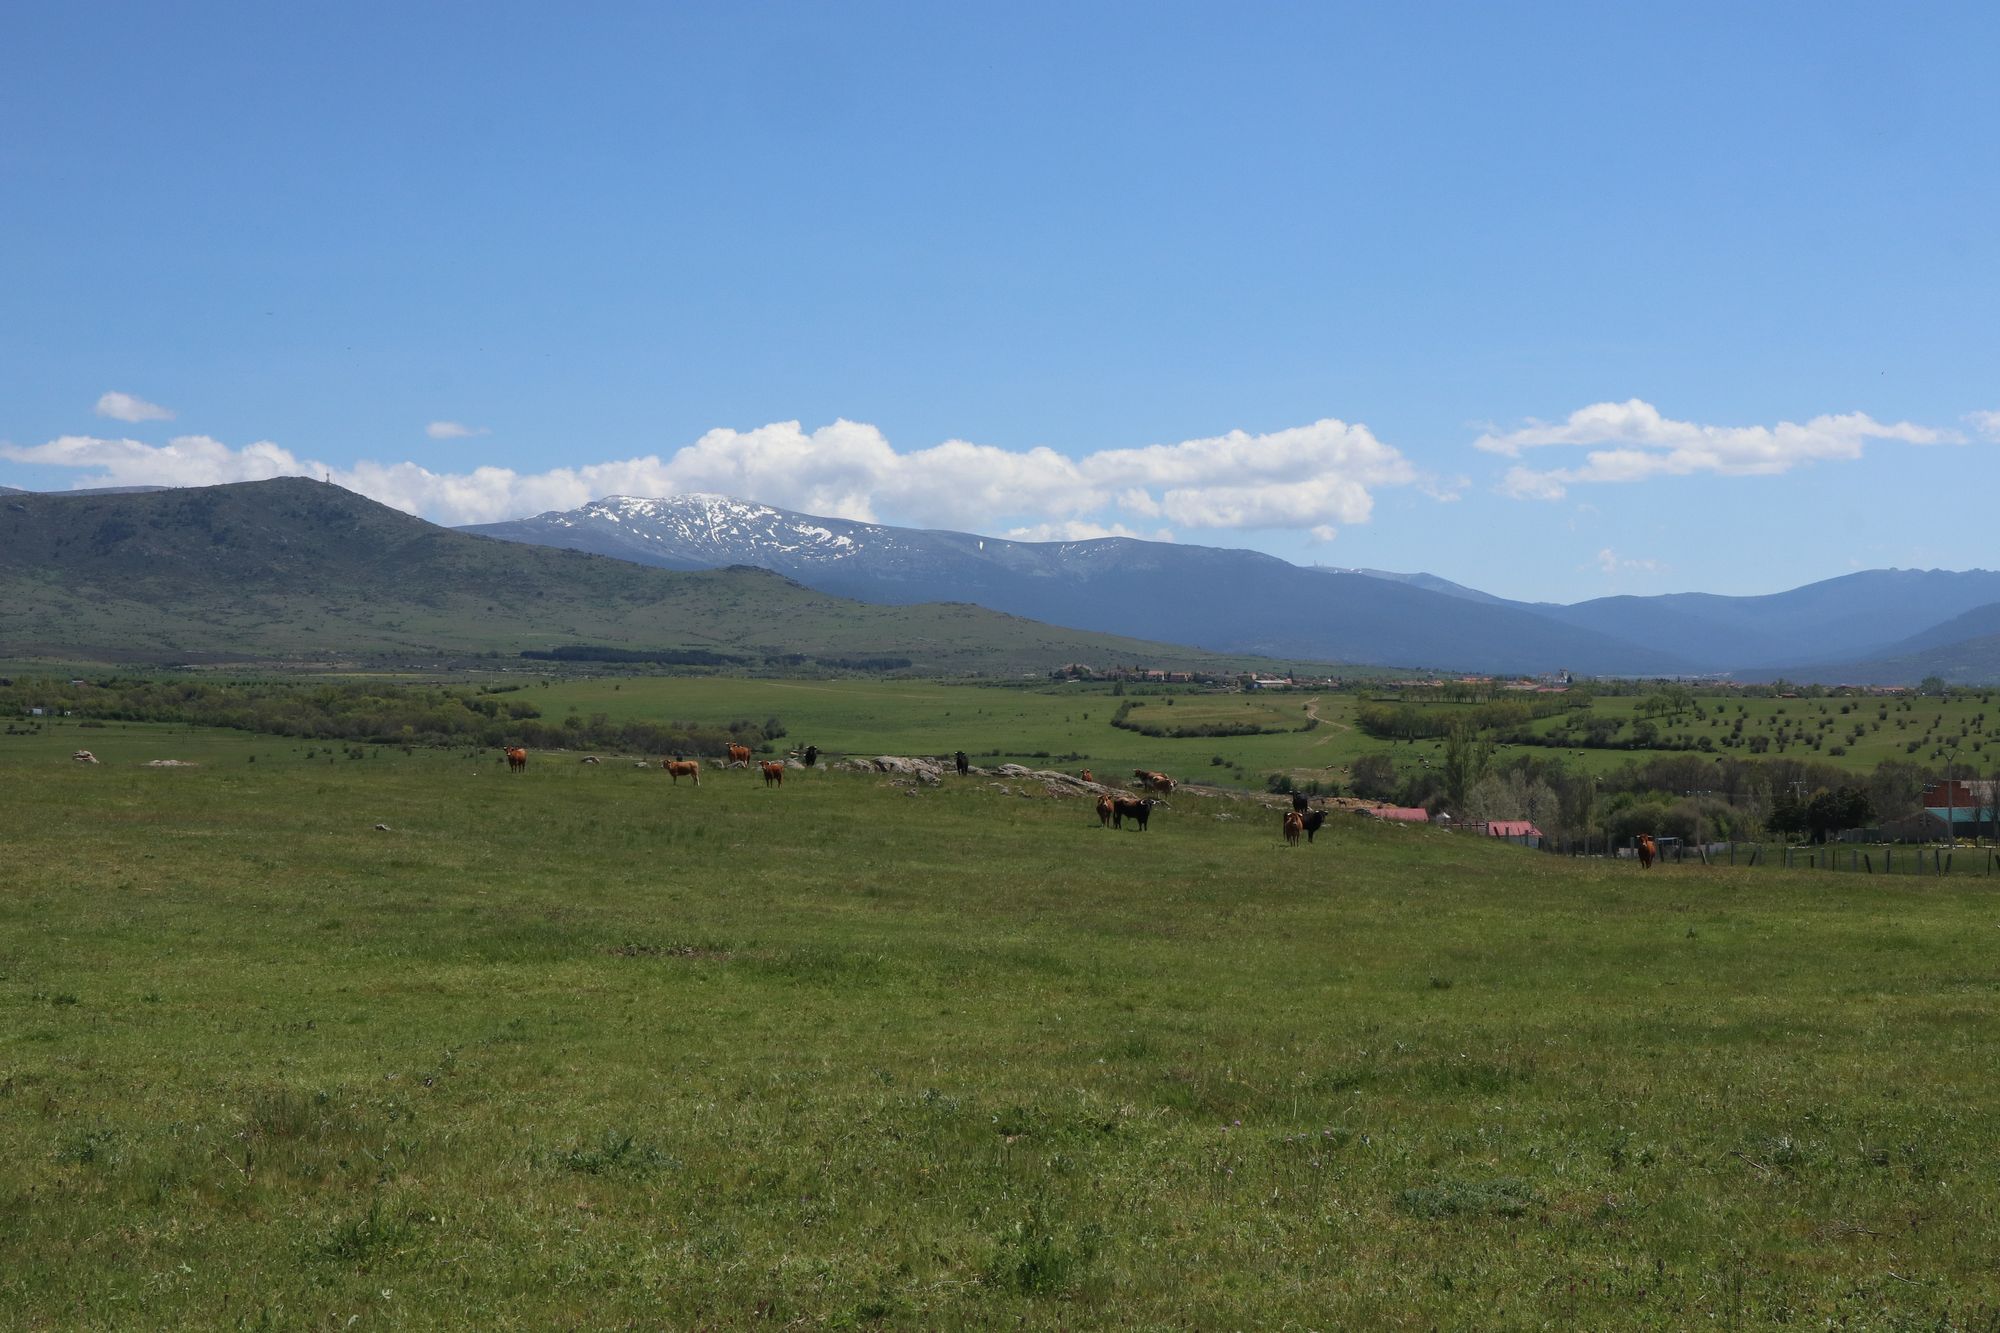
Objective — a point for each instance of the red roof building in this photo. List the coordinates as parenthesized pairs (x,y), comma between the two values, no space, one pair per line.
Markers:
(1514,830)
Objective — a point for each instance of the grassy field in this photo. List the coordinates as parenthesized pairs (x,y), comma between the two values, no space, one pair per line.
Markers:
(1028,724)
(1071,724)
(1856,733)
(579,1048)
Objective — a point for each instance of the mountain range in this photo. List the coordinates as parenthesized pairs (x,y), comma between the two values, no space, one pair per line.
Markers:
(291,569)
(1875,626)
(1200,595)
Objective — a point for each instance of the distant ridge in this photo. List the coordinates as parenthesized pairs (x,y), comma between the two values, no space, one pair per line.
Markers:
(1429,582)
(1222,600)
(88,490)
(1964,650)
(1834,620)
(292,568)
(1244,601)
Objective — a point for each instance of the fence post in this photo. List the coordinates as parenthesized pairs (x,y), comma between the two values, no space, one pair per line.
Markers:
(1870,858)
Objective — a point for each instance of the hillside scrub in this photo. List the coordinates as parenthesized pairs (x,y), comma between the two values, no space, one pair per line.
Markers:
(1411,721)
(1123,719)
(405,714)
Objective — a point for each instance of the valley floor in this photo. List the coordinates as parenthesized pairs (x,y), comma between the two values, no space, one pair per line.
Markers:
(324,1036)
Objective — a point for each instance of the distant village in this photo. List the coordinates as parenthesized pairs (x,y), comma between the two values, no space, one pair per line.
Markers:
(1555,682)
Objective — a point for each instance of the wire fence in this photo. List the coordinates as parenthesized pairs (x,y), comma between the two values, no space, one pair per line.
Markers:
(1934,861)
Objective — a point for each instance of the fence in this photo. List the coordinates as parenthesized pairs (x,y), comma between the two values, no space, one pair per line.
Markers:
(1834,858)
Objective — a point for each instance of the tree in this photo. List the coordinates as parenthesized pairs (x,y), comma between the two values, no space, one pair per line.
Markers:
(1375,777)
(1467,757)
(1831,811)
(1896,788)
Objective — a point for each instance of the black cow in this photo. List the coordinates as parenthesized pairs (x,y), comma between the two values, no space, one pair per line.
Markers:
(964,764)
(1299,801)
(1314,818)
(812,755)
(1126,807)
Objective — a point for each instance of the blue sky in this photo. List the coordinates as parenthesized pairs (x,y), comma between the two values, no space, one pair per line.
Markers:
(1552,300)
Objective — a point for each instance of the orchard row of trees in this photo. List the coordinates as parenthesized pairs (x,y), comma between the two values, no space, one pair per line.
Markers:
(1414,722)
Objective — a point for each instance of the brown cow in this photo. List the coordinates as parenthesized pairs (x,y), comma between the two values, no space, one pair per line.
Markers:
(1295,824)
(774,772)
(739,754)
(517,758)
(1087,777)
(1107,808)
(682,768)
(1152,781)
(1647,851)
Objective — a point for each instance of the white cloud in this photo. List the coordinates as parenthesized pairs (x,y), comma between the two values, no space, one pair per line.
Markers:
(1631,441)
(1309,478)
(1526,484)
(187,460)
(1079,530)
(453,430)
(1610,562)
(1986,423)
(125,407)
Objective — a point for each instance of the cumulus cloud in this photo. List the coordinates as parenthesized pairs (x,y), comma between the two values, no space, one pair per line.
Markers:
(453,430)
(187,460)
(125,407)
(1632,441)
(1310,478)
(1986,423)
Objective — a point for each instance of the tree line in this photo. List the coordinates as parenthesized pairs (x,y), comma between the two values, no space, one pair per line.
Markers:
(1686,796)
(408,714)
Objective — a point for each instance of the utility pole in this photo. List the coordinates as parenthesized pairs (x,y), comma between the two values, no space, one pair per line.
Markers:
(1950,812)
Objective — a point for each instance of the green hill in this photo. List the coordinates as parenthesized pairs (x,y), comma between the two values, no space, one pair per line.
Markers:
(296,570)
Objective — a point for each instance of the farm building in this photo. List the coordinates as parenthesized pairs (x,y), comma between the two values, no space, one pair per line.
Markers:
(1521,831)
(1923,826)
(1967,805)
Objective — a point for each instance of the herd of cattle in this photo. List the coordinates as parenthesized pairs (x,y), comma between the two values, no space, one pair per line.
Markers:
(1112,810)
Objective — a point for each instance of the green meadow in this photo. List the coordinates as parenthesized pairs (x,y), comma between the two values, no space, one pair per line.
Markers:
(1854,732)
(1032,723)
(580,1048)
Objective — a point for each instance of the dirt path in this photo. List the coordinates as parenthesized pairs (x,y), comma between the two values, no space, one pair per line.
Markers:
(1312,711)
